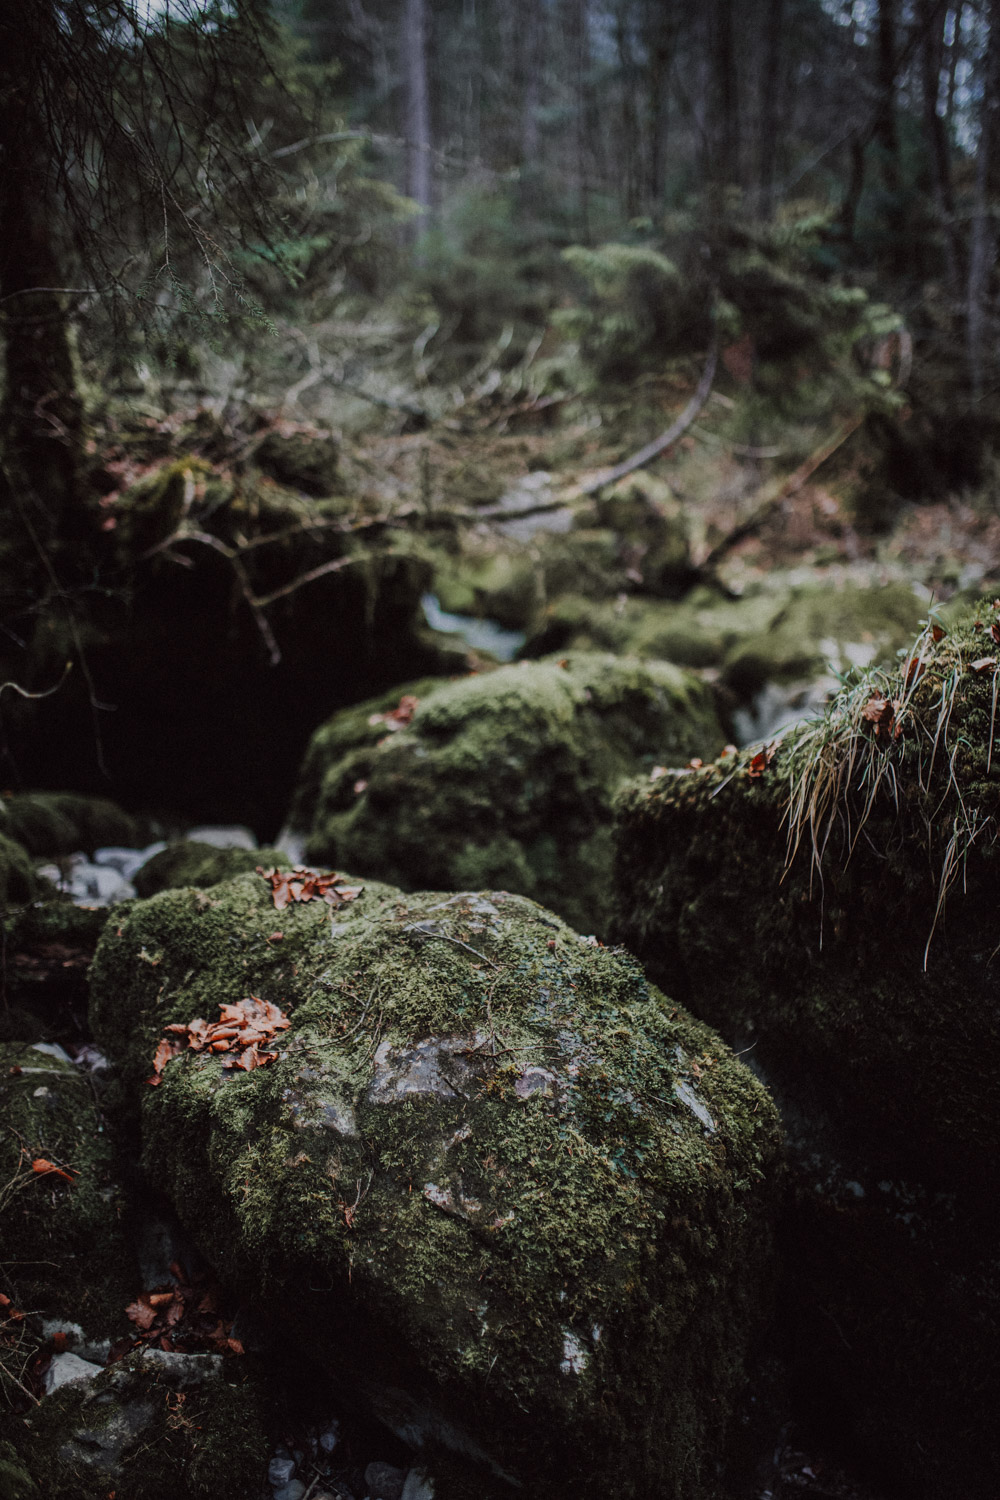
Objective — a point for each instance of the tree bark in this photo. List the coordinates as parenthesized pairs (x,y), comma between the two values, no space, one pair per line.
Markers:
(932,17)
(982,239)
(770,105)
(418,115)
(41,416)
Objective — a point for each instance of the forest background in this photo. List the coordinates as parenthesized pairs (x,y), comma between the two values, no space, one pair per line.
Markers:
(232,225)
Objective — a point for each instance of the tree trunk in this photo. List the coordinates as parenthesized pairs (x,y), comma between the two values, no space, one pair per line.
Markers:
(660,49)
(41,414)
(724,124)
(418,115)
(886,135)
(932,17)
(630,118)
(770,105)
(982,239)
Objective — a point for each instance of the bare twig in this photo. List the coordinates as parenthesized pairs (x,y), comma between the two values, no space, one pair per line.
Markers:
(674,431)
(785,489)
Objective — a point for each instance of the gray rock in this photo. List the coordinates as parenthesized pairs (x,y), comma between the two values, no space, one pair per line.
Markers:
(294,1490)
(419,1486)
(126,861)
(223,836)
(330,1436)
(280,1469)
(69,1369)
(384,1481)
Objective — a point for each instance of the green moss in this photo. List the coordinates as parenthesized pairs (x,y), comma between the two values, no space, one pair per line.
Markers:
(504,779)
(836,911)
(769,634)
(56,823)
(151,1428)
(15,1481)
(552,1194)
(306,461)
(17,874)
(152,509)
(192,863)
(48,945)
(839,944)
(62,1244)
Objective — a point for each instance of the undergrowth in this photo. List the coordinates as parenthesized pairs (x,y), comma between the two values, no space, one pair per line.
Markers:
(917,737)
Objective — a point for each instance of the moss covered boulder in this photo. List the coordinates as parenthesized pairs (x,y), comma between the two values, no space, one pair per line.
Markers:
(504,779)
(770,634)
(57,823)
(831,903)
(516,1202)
(190,862)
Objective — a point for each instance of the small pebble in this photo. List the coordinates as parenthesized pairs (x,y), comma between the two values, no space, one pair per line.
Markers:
(293,1490)
(330,1437)
(280,1469)
(419,1486)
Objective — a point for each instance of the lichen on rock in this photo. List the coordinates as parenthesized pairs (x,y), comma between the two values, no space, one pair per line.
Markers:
(506,1192)
(503,779)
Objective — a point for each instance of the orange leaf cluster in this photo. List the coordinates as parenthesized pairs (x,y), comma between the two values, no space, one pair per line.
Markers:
(761,761)
(398,717)
(43,1168)
(882,713)
(306,885)
(182,1316)
(240,1031)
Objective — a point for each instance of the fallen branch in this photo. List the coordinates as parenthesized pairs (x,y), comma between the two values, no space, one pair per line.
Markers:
(785,489)
(666,439)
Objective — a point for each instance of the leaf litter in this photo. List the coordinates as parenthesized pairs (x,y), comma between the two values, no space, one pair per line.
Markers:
(306,885)
(241,1031)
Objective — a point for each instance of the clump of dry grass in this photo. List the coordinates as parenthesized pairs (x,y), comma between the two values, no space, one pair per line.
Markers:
(892,739)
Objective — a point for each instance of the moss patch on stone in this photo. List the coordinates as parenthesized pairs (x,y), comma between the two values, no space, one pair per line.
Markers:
(61,1244)
(767,635)
(489,1159)
(903,829)
(57,823)
(189,862)
(153,1426)
(505,779)
(17,873)
(834,909)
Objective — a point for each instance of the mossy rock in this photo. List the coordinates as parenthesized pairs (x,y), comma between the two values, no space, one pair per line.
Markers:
(15,1481)
(152,509)
(49,944)
(152,1426)
(770,634)
(489,1168)
(62,1245)
(861,971)
(505,586)
(653,531)
(302,461)
(189,862)
(505,779)
(50,824)
(834,909)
